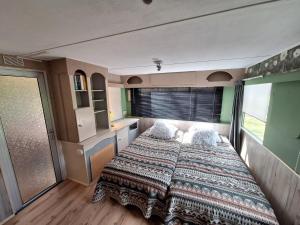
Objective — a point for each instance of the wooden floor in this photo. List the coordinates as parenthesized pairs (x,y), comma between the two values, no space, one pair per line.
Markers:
(70,203)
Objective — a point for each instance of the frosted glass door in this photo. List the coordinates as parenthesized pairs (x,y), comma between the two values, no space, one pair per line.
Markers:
(5,209)
(25,131)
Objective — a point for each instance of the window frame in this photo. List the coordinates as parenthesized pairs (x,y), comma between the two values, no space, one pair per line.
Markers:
(249,131)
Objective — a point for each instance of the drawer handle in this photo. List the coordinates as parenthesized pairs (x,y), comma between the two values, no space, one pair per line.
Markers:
(80,125)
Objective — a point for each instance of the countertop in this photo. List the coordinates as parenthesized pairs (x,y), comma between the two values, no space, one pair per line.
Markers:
(120,124)
(102,134)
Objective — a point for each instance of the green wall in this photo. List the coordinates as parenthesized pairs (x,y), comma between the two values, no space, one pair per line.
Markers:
(283,122)
(227,102)
(123,100)
(126,105)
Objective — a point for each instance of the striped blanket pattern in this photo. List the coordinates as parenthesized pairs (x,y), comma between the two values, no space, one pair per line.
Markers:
(212,185)
(140,175)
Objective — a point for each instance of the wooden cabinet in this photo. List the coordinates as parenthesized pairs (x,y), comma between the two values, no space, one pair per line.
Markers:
(78,92)
(85,160)
(85,123)
(126,130)
(122,138)
(133,132)
(100,159)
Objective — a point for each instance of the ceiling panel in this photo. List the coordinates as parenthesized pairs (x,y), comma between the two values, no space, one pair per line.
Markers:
(232,39)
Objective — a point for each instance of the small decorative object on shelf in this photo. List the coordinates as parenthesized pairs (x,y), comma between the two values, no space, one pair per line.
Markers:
(81,89)
(80,82)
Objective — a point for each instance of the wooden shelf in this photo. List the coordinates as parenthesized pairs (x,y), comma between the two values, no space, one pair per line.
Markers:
(100,111)
(97,90)
(81,90)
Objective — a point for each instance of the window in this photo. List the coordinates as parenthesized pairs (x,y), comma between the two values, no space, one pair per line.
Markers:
(255,108)
(194,104)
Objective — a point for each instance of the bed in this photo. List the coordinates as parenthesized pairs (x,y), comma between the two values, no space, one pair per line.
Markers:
(140,175)
(212,185)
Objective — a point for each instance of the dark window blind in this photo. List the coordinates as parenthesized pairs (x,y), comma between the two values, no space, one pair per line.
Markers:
(194,104)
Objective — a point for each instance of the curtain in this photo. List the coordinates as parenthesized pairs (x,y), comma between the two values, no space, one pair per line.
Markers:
(236,121)
(192,104)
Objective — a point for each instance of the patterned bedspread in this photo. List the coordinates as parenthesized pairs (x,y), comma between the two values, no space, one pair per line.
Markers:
(140,175)
(212,185)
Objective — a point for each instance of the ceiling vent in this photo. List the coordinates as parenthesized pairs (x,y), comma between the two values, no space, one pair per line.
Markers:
(219,76)
(13,60)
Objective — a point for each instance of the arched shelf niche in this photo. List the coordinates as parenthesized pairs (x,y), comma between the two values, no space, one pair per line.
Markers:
(81,89)
(98,86)
(134,80)
(219,76)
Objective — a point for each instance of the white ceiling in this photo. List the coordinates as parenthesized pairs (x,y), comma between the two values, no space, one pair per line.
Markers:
(223,40)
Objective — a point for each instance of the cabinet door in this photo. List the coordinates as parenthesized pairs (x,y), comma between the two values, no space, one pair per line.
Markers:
(100,158)
(85,123)
(133,132)
(122,139)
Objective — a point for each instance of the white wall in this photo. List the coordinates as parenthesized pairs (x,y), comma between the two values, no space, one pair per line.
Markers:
(115,104)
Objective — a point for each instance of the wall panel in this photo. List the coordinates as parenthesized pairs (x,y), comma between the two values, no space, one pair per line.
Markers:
(280,184)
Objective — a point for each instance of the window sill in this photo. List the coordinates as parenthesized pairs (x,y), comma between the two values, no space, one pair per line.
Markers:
(252,135)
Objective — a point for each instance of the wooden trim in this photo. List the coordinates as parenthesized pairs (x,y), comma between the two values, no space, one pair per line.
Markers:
(7,219)
(117,85)
(184,79)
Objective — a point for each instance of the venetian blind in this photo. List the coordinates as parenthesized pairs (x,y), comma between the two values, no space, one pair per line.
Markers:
(194,104)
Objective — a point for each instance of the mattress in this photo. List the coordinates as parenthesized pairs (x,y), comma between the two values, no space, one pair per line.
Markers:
(212,185)
(140,175)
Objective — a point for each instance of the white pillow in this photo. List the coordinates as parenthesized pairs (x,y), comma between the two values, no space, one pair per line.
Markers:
(204,137)
(195,128)
(162,130)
